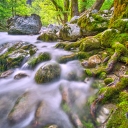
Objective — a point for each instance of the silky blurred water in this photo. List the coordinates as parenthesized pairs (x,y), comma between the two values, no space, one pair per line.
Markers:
(11,89)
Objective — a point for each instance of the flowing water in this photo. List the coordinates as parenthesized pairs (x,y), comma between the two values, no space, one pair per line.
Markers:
(50,94)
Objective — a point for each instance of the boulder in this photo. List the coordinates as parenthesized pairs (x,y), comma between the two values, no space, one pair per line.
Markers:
(92,23)
(54,28)
(22,108)
(90,43)
(43,56)
(69,32)
(92,61)
(48,37)
(121,25)
(13,54)
(24,25)
(48,73)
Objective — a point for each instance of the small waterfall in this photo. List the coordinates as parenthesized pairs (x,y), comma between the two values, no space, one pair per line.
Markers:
(13,90)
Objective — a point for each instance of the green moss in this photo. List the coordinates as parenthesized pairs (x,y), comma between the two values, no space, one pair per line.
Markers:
(110,36)
(89,43)
(107,37)
(119,48)
(74,56)
(47,37)
(48,73)
(119,119)
(40,58)
(121,25)
(73,45)
(98,17)
(111,94)
(108,81)
(32,52)
(103,75)
(61,45)
(88,72)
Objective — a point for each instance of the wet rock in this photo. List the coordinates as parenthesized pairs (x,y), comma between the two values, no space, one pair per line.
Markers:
(48,37)
(92,62)
(6,73)
(48,73)
(43,56)
(20,76)
(19,25)
(22,108)
(15,54)
(93,23)
(74,20)
(69,32)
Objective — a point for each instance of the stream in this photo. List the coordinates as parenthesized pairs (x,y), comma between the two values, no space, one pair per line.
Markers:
(50,93)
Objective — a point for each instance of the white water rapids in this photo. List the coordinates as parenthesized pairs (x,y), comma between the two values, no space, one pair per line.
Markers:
(11,89)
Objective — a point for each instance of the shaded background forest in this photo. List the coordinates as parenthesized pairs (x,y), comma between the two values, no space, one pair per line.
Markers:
(50,11)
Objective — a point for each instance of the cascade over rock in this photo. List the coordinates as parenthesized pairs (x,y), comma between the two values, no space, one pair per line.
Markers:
(48,73)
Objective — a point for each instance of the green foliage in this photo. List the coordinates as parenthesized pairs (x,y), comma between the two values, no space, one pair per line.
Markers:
(107,4)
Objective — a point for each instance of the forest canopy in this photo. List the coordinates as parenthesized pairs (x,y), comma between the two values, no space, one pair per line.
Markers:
(50,11)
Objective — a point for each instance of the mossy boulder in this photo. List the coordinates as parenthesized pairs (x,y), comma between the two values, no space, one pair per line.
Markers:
(108,81)
(89,43)
(48,37)
(43,56)
(74,56)
(48,73)
(69,32)
(121,25)
(13,54)
(92,23)
(110,36)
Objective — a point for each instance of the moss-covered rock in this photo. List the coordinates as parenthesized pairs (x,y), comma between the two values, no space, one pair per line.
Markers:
(108,81)
(110,36)
(119,118)
(73,45)
(69,32)
(121,25)
(14,55)
(61,45)
(48,73)
(48,37)
(74,56)
(89,43)
(91,23)
(33,61)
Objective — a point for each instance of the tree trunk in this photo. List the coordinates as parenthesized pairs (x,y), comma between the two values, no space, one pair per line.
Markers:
(120,10)
(74,8)
(98,4)
(66,9)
